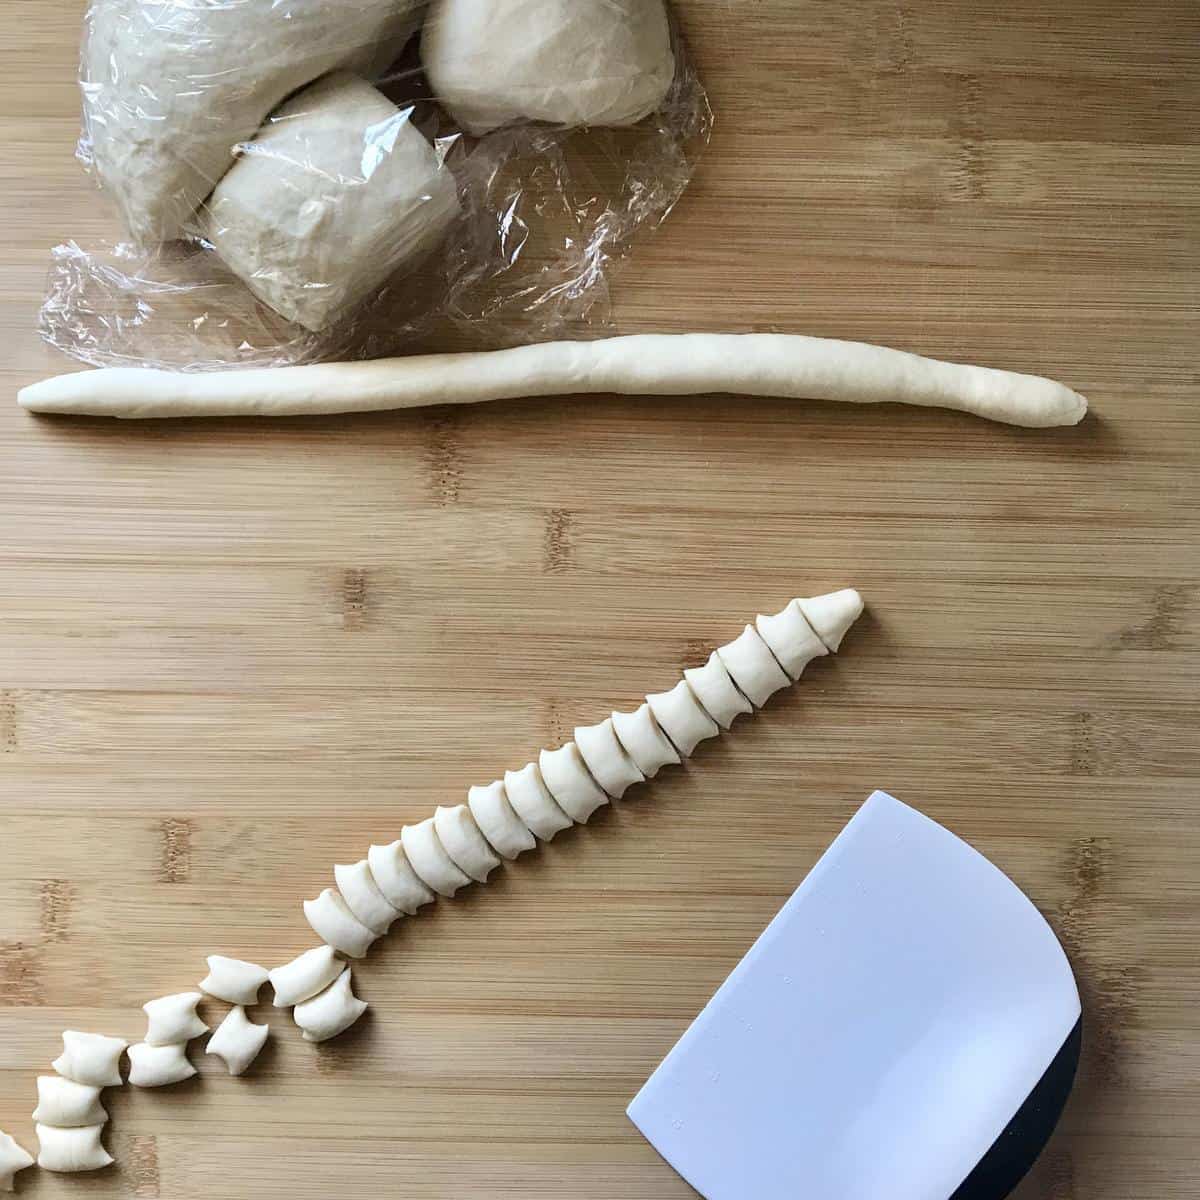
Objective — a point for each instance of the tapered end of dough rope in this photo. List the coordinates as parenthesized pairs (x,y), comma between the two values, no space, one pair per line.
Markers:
(832,615)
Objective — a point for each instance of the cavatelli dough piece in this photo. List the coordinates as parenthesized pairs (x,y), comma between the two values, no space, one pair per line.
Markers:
(66,1104)
(237,1041)
(159,1066)
(753,667)
(305,976)
(330,1013)
(832,614)
(606,759)
(713,686)
(336,925)
(427,856)
(644,742)
(531,800)
(462,840)
(363,898)
(233,980)
(399,883)
(790,638)
(68,1150)
(681,718)
(91,1058)
(13,1158)
(173,1019)
(497,820)
(570,782)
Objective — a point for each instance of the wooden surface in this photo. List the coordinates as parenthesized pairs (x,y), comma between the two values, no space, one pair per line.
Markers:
(233,654)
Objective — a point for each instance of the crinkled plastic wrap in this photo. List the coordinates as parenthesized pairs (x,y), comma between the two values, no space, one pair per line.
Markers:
(311,179)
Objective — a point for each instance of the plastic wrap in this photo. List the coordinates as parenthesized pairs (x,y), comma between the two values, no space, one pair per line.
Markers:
(291,189)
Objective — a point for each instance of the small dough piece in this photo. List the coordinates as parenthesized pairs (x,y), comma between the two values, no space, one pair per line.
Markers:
(572,62)
(13,1158)
(66,1104)
(531,800)
(335,924)
(753,667)
(173,1019)
(718,694)
(462,840)
(305,976)
(606,759)
(233,980)
(330,1013)
(497,820)
(363,897)
(69,1150)
(237,1041)
(399,883)
(427,856)
(681,718)
(791,638)
(644,742)
(91,1058)
(570,782)
(159,1066)
(832,614)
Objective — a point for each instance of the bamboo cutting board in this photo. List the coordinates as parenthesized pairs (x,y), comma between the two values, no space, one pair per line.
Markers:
(233,654)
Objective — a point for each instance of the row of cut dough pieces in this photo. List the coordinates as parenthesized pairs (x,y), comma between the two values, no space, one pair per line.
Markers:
(466,843)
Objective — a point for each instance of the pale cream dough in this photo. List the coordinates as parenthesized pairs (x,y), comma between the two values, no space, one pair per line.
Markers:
(498,821)
(237,1041)
(570,782)
(233,979)
(790,638)
(606,759)
(681,718)
(334,923)
(532,802)
(65,1151)
(832,614)
(173,1019)
(428,858)
(718,694)
(305,976)
(753,667)
(332,1012)
(462,840)
(13,1158)
(65,1104)
(368,905)
(159,1066)
(399,883)
(91,1058)
(643,740)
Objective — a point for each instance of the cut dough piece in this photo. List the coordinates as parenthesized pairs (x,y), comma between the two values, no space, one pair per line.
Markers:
(497,820)
(305,976)
(91,1058)
(330,1013)
(159,1066)
(644,741)
(337,926)
(364,898)
(399,883)
(337,192)
(531,800)
(753,667)
(13,1158)
(68,1150)
(571,62)
(791,638)
(170,89)
(606,759)
(173,1019)
(233,980)
(718,694)
(427,856)
(66,1104)
(462,840)
(570,783)
(832,614)
(681,718)
(237,1041)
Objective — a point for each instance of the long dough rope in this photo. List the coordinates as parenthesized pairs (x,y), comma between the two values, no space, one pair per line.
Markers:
(752,364)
